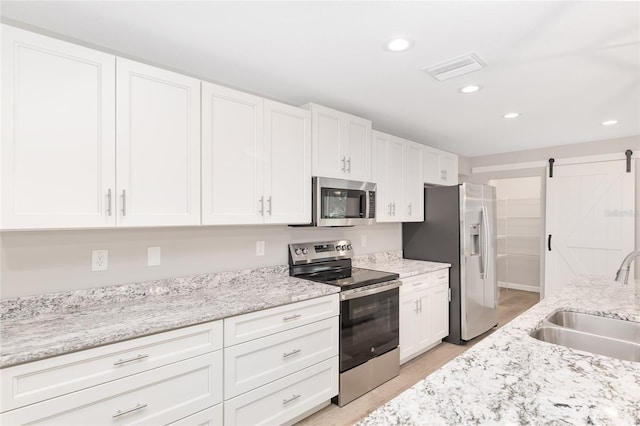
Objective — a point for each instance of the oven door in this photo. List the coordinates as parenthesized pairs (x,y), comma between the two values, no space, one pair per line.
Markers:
(369,326)
(340,202)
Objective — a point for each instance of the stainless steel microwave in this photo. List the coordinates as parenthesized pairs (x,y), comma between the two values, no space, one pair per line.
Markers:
(338,202)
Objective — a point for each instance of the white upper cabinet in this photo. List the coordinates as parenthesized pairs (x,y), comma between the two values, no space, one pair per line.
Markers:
(398,172)
(256,159)
(341,144)
(158,146)
(287,170)
(439,167)
(413,189)
(232,126)
(58,134)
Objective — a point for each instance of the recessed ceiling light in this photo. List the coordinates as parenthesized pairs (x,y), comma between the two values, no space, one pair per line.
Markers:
(511,115)
(470,89)
(609,122)
(398,44)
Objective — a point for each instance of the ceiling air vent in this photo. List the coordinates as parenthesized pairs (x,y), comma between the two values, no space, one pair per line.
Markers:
(455,67)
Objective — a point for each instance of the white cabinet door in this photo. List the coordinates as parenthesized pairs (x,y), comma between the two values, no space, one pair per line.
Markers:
(413,187)
(287,172)
(58,133)
(341,144)
(423,334)
(408,314)
(232,159)
(389,157)
(328,159)
(438,312)
(359,155)
(430,165)
(448,169)
(158,141)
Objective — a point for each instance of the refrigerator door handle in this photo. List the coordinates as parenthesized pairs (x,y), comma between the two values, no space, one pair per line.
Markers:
(485,243)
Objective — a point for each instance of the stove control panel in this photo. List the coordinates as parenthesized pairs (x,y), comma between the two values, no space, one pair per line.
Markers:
(320,251)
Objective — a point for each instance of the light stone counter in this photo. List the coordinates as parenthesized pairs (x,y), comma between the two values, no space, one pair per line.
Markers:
(511,378)
(392,261)
(37,327)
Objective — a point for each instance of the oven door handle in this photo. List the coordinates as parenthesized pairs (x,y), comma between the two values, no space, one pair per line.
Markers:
(355,293)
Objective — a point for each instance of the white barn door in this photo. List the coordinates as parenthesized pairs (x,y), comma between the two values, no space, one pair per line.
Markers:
(589,221)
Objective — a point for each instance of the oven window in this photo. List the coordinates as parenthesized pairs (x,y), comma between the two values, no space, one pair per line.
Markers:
(342,203)
(369,327)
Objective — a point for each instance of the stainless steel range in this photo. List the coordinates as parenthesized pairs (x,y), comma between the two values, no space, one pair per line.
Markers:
(369,309)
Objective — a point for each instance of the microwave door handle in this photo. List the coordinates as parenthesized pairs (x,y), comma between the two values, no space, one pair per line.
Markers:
(364,208)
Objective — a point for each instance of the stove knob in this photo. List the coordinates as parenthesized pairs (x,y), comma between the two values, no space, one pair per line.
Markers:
(339,248)
(298,251)
(305,251)
(349,247)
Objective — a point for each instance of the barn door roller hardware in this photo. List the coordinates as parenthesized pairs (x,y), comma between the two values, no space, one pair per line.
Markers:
(551,161)
(628,153)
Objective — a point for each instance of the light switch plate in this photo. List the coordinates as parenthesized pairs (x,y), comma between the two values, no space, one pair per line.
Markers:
(153,256)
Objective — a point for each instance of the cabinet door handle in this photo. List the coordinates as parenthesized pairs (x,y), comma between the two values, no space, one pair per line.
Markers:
(291,317)
(344,164)
(293,352)
(130,410)
(349,161)
(124,202)
(420,304)
(261,206)
(389,209)
(549,242)
(135,358)
(416,310)
(293,398)
(409,209)
(269,203)
(109,201)
(394,209)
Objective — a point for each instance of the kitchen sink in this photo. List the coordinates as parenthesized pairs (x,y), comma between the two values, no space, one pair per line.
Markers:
(594,324)
(592,333)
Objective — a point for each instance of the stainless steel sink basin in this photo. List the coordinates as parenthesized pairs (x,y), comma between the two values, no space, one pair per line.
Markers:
(594,324)
(592,333)
(593,343)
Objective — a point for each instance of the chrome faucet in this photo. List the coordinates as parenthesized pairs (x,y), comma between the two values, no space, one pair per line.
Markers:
(622,276)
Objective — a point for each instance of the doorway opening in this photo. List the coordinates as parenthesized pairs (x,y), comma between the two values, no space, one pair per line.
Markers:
(519,232)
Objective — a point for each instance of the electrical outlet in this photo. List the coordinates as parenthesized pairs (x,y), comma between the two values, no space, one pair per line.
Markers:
(363,240)
(99,260)
(153,256)
(259,248)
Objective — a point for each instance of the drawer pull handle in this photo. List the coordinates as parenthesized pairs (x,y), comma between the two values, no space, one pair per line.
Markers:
(130,410)
(135,358)
(293,398)
(293,352)
(291,317)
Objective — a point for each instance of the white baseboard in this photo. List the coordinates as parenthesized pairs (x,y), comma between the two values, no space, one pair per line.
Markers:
(523,287)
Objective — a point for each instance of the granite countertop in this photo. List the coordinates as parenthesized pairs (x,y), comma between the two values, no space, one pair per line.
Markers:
(37,327)
(512,378)
(393,262)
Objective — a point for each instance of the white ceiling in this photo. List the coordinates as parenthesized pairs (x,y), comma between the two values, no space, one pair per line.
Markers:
(565,66)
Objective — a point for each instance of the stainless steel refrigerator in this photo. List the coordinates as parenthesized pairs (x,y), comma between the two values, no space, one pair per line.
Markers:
(460,228)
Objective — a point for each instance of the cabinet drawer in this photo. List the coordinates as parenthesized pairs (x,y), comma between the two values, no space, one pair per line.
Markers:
(209,417)
(157,396)
(285,399)
(263,323)
(260,361)
(440,277)
(415,283)
(39,380)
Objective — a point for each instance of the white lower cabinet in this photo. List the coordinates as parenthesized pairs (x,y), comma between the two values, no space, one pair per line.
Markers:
(424,313)
(279,364)
(157,396)
(289,366)
(283,400)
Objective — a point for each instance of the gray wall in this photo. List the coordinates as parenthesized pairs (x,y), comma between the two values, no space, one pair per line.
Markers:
(36,262)
(609,146)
